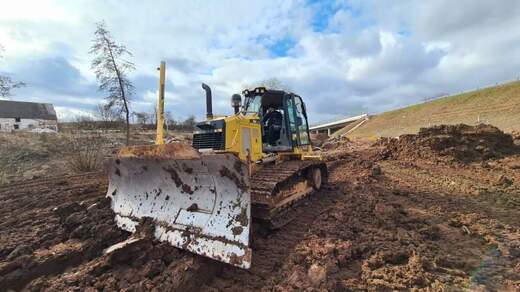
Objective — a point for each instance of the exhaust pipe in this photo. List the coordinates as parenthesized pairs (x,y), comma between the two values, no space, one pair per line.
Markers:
(209,109)
(236,102)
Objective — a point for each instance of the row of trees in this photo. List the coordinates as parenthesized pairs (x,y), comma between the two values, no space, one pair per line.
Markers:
(111,118)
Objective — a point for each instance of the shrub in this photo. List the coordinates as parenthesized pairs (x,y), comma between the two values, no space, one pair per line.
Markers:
(85,152)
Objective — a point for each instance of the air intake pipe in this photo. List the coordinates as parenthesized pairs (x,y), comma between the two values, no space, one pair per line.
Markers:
(209,108)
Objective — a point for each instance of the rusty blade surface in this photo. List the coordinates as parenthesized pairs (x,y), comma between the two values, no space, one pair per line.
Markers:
(200,203)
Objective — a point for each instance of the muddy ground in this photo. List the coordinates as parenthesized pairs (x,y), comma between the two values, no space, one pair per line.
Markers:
(421,212)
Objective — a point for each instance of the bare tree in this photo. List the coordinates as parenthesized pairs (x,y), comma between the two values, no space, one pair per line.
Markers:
(108,116)
(189,123)
(153,115)
(142,118)
(83,122)
(271,83)
(168,120)
(6,83)
(111,70)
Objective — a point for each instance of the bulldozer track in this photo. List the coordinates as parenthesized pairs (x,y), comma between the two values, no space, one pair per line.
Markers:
(74,180)
(267,183)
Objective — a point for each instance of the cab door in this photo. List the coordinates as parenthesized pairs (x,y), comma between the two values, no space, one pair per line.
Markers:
(298,125)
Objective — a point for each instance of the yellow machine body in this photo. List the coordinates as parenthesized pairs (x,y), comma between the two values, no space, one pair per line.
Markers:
(244,137)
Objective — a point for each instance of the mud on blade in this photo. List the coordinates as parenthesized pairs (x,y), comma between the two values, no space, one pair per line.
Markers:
(200,203)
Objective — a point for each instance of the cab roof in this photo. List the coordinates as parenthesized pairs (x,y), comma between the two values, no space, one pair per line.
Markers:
(263,91)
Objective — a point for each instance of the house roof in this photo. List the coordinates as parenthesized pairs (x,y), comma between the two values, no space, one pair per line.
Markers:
(337,123)
(27,110)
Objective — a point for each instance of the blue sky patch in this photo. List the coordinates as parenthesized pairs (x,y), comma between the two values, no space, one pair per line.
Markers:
(323,12)
(281,47)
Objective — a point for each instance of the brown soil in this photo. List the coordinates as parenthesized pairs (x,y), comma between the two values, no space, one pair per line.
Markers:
(318,139)
(459,142)
(50,224)
(404,220)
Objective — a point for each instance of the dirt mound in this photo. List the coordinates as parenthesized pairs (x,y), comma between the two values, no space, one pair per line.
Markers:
(461,142)
(318,139)
(336,143)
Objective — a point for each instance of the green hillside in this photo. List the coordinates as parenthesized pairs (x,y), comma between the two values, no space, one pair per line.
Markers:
(499,106)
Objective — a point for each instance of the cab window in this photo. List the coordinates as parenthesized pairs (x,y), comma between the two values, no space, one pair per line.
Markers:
(253,104)
(292,121)
(301,121)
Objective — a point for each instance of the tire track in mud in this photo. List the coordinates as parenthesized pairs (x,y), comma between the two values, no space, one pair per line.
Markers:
(27,213)
(270,251)
(75,180)
(48,225)
(273,249)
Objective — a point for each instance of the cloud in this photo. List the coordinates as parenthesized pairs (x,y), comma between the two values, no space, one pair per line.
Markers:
(53,74)
(343,58)
(67,114)
(465,17)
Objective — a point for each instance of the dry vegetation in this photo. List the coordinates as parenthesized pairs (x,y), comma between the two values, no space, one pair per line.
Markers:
(498,105)
(85,152)
(30,155)
(26,155)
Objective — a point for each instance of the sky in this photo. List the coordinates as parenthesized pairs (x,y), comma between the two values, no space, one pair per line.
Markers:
(343,57)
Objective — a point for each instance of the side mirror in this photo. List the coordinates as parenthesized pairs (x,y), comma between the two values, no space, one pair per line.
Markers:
(299,121)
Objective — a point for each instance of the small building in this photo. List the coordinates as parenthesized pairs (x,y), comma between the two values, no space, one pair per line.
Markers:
(331,127)
(21,115)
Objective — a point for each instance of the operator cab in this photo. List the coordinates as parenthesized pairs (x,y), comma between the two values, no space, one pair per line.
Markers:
(283,118)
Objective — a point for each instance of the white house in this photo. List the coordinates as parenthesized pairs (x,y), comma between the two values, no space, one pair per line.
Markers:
(20,115)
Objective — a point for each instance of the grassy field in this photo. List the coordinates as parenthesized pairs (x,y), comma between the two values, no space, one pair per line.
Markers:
(499,106)
(25,155)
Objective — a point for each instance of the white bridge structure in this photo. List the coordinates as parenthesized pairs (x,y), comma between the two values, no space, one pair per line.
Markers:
(331,127)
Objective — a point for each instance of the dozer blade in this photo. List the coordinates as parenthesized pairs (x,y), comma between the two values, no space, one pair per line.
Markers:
(198,202)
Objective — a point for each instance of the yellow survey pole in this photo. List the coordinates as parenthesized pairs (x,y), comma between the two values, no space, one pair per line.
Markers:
(160,105)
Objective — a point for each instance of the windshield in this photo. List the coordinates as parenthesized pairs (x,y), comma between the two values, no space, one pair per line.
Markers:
(253,104)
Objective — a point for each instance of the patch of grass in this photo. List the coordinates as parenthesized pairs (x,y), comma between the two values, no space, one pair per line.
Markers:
(499,106)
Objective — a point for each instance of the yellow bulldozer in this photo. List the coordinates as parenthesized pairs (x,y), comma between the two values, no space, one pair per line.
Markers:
(251,166)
